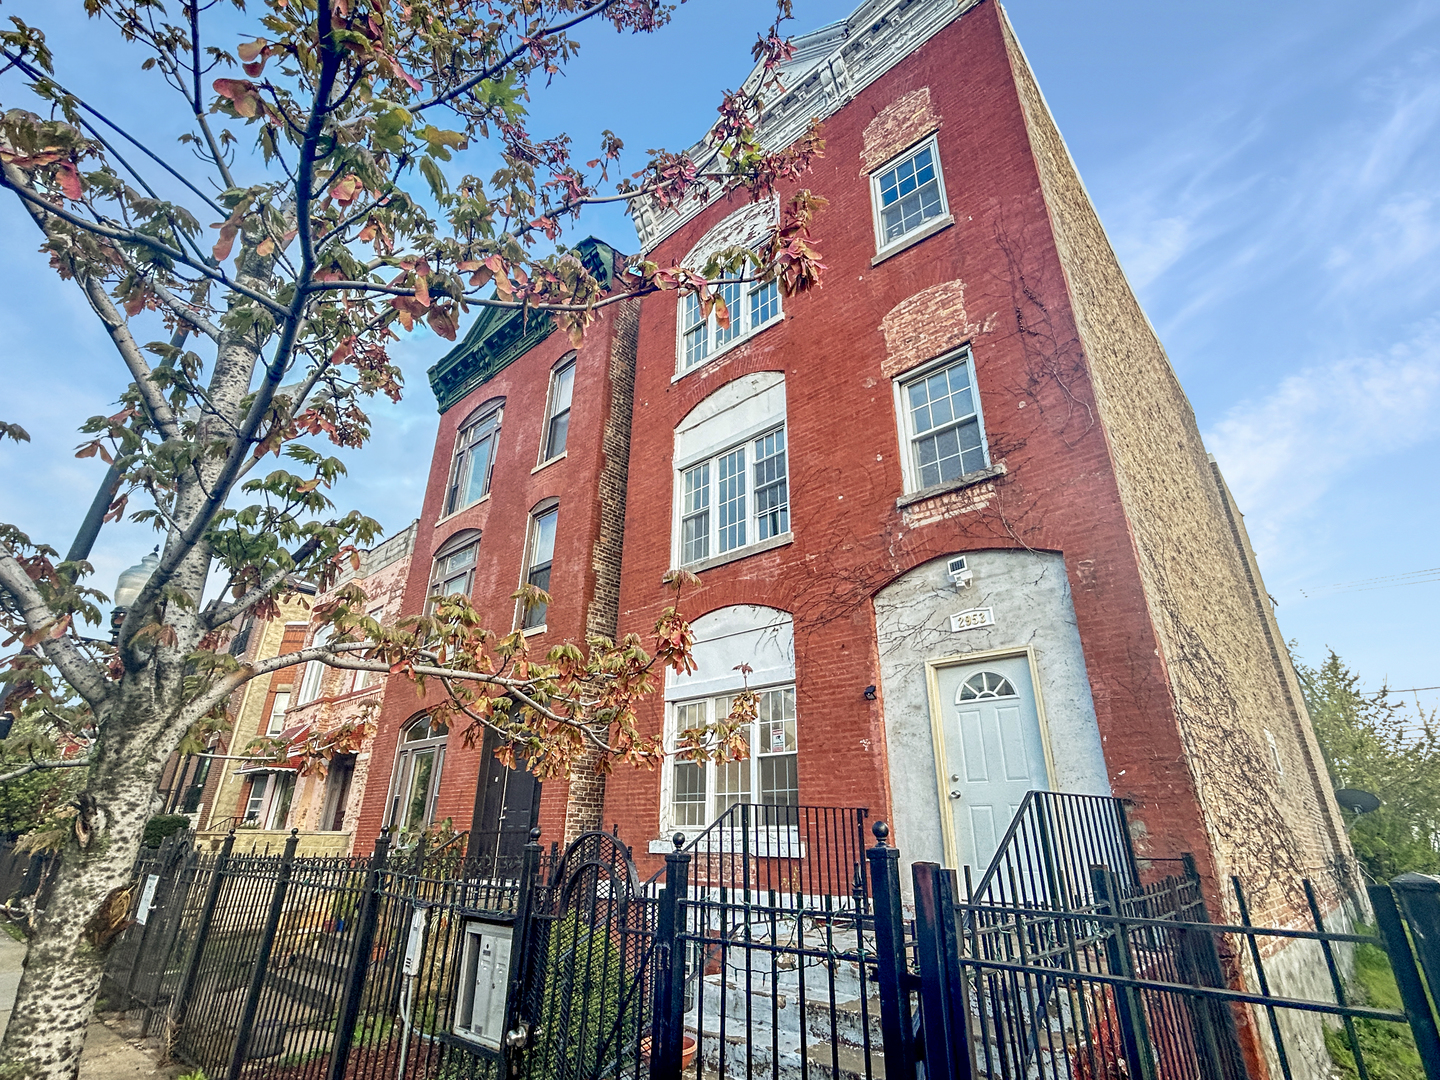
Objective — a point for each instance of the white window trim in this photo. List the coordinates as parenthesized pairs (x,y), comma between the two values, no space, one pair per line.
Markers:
(531,535)
(747,331)
(753,544)
(668,827)
(479,415)
(882,248)
(908,468)
(571,361)
(312,682)
(399,771)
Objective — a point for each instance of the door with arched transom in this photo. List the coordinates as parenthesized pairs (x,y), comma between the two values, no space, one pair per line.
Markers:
(994,752)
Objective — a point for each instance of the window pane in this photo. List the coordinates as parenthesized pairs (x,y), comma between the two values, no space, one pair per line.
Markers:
(909,195)
(277,713)
(775,717)
(696,332)
(772,497)
(695,514)
(950,453)
(764,304)
(559,426)
(732,784)
(779,780)
(257,796)
(544,549)
(459,560)
(688,798)
(731,499)
(730,293)
(477,473)
(421,768)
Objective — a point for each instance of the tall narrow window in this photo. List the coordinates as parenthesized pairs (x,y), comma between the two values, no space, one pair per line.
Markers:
(255,798)
(474,459)
(310,683)
(772,497)
(557,428)
(908,194)
(275,723)
(695,514)
(542,554)
(454,568)
(694,330)
(941,415)
(415,788)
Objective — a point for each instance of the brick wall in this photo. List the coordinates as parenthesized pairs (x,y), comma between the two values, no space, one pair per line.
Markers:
(586,538)
(1227,685)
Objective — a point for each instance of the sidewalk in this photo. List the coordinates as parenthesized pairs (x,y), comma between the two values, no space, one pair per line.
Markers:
(108,1055)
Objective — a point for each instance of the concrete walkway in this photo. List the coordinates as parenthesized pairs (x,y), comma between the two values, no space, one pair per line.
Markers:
(108,1054)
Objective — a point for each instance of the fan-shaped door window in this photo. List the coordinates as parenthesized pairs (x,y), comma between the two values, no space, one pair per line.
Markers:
(985,684)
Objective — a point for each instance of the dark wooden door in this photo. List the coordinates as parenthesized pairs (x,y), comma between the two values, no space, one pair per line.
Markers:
(507,807)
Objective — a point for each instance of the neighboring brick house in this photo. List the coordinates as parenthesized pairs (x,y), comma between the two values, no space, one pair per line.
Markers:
(952,509)
(266,803)
(527,483)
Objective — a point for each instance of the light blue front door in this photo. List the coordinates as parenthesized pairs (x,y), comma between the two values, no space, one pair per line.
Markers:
(994,752)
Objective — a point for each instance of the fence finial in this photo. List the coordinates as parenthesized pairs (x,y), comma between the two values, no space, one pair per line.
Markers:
(678,840)
(880,831)
(535,835)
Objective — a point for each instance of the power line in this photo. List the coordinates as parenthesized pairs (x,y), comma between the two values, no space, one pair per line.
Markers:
(1384,581)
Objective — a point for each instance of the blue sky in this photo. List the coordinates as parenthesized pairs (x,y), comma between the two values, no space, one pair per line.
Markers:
(1267,173)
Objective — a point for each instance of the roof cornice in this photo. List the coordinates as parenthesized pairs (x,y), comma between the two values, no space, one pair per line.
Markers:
(830,66)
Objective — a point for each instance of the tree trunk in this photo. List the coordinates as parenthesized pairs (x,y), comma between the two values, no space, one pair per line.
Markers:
(72,936)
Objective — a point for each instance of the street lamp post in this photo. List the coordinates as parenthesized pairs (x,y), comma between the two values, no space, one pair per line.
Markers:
(128,587)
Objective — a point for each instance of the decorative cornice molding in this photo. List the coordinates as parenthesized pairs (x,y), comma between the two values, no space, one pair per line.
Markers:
(830,66)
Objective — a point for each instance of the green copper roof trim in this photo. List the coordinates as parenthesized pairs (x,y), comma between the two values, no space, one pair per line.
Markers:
(500,336)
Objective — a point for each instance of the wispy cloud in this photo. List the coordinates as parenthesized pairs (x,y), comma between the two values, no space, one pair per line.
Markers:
(1284,452)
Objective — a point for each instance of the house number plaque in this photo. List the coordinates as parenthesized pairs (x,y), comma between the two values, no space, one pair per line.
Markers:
(972,619)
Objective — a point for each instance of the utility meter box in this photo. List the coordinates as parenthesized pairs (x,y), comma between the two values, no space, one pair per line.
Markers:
(484,982)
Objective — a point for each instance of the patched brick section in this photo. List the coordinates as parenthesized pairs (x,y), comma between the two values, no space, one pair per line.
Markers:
(951,504)
(927,325)
(906,120)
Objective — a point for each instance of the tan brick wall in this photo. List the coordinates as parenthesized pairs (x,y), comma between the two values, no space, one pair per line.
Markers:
(1227,682)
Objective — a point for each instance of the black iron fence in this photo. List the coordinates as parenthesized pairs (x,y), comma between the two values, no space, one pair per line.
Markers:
(774,944)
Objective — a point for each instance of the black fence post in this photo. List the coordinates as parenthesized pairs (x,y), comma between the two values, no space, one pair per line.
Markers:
(359,968)
(521,943)
(1213,1022)
(202,932)
(1129,1008)
(1407,978)
(668,1034)
(897,1023)
(944,1004)
(1419,896)
(262,958)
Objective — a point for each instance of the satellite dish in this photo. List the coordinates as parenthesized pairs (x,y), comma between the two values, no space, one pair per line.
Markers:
(1362,802)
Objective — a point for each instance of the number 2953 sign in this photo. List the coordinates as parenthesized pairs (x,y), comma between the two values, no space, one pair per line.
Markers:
(972,619)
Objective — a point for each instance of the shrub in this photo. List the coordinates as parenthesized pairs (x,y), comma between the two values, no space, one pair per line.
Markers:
(162,825)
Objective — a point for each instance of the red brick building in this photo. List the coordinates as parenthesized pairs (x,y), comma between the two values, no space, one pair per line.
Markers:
(952,509)
(527,483)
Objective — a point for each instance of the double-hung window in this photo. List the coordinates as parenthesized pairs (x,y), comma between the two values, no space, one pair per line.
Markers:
(701,791)
(940,414)
(454,569)
(538,562)
(415,788)
(752,306)
(276,721)
(474,459)
(310,682)
(908,194)
(735,499)
(557,424)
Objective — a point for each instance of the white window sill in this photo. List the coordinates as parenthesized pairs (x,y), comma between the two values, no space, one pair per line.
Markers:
(910,239)
(970,479)
(456,513)
(740,553)
(766,841)
(548,462)
(727,347)
(534,630)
